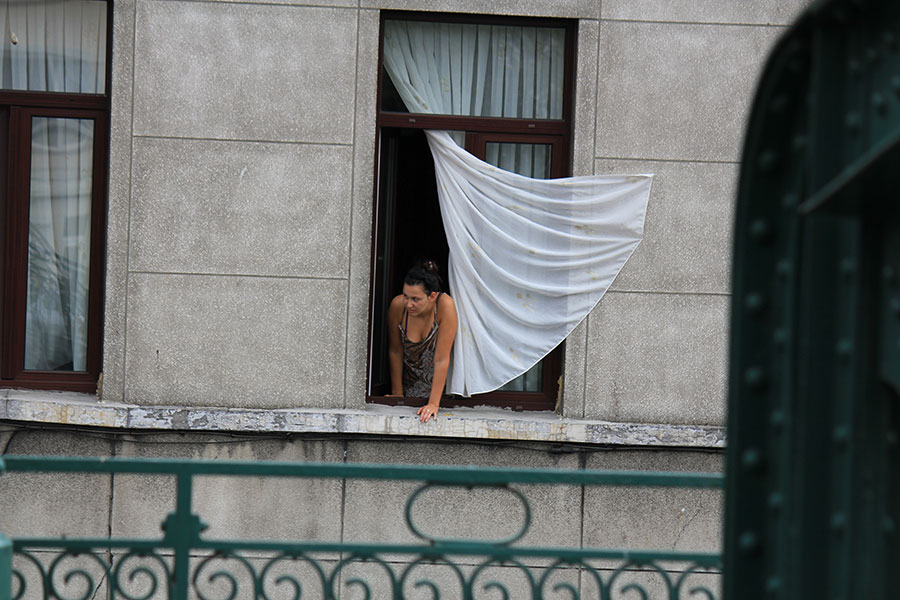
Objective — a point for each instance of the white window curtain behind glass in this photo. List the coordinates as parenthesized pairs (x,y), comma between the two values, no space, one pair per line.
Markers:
(529,258)
(57,46)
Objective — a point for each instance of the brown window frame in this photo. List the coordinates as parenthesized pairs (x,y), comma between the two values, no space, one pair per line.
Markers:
(17,108)
(479,131)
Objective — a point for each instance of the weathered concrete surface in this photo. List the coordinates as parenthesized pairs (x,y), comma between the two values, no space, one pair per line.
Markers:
(242,72)
(245,208)
(54,504)
(470,423)
(677,91)
(759,12)
(119,196)
(670,518)
(251,342)
(452,513)
(234,507)
(360,227)
(658,358)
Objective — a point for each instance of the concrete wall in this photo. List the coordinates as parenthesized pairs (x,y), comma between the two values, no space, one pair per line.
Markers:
(241,194)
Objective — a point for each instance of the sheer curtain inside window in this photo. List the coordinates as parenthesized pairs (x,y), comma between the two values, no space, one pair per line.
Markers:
(59,233)
(529,257)
(57,46)
(53,46)
(477,70)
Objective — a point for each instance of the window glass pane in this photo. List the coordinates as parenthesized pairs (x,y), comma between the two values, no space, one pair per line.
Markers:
(59,233)
(531,160)
(474,70)
(54,46)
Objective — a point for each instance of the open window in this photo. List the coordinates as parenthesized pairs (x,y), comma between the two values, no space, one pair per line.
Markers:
(511,107)
(54,123)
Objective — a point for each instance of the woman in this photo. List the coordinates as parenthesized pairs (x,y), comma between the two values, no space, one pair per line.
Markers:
(422,325)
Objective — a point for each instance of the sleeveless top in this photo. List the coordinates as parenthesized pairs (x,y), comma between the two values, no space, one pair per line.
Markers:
(418,359)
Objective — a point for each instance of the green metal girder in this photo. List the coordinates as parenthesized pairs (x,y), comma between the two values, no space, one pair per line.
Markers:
(815,347)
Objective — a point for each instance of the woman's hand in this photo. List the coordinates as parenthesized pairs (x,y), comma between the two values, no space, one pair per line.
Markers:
(428,411)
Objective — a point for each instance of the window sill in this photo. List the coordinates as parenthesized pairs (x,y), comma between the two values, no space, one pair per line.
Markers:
(470,423)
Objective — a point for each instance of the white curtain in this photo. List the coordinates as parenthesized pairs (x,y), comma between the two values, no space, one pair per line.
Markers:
(529,258)
(57,46)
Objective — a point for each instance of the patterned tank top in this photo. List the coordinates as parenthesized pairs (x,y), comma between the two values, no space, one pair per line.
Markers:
(418,359)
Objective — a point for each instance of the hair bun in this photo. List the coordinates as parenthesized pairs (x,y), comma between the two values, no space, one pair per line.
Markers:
(427,273)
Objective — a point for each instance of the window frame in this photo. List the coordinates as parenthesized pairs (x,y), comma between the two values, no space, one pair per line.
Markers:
(479,130)
(17,108)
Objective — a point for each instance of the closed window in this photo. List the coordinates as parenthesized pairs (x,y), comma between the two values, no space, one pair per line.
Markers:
(54,122)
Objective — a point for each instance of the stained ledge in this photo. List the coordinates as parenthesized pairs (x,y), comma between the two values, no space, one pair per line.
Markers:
(473,423)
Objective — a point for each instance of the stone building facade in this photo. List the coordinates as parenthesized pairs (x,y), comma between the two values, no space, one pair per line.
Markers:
(238,263)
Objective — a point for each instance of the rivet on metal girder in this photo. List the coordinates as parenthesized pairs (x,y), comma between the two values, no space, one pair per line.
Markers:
(845,348)
(760,229)
(779,337)
(783,267)
(767,160)
(749,541)
(754,377)
(838,522)
(777,419)
(754,302)
(848,267)
(790,200)
(895,306)
(841,435)
(778,104)
(751,458)
(879,104)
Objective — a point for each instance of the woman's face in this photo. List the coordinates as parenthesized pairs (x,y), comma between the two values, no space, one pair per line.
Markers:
(417,300)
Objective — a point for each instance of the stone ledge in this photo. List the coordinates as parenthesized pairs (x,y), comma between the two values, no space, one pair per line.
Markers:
(473,423)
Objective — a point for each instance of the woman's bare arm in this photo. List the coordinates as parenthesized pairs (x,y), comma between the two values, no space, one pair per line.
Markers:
(447,322)
(395,345)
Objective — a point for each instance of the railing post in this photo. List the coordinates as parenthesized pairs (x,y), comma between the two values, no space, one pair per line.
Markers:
(182,530)
(6,556)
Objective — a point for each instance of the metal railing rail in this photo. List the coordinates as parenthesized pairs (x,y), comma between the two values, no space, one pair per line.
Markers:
(182,562)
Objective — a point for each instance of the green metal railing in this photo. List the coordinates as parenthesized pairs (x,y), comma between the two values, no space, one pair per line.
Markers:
(183,564)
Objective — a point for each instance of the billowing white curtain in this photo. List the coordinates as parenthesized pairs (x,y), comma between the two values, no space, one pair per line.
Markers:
(529,258)
(57,46)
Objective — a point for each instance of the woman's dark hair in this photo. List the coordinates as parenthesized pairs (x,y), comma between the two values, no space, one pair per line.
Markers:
(425,273)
